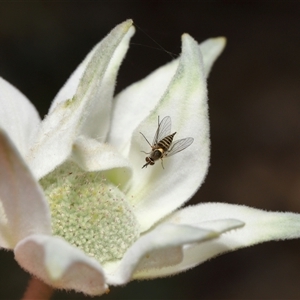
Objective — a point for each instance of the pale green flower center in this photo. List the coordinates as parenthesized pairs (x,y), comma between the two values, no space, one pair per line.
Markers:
(90,212)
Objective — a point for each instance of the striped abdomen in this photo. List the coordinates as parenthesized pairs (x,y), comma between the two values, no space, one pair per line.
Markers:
(166,142)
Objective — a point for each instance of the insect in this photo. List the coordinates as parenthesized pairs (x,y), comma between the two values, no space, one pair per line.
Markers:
(162,145)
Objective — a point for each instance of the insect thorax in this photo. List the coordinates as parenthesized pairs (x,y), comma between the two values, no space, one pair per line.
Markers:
(157,154)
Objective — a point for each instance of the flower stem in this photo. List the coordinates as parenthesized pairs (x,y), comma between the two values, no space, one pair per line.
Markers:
(37,289)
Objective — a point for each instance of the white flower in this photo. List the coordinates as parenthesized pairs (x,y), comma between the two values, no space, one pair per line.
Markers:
(112,221)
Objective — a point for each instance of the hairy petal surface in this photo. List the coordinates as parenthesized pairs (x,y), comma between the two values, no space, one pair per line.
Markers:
(67,118)
(260,226)
(155,191)
(24,210)
(60,265)
(18,117)
(98,123)
(143,96)
(139,99)
(163,246)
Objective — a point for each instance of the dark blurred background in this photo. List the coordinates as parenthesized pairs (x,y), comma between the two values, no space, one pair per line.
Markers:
(254,92)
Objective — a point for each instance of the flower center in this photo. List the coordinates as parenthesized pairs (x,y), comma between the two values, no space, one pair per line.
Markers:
(90,213)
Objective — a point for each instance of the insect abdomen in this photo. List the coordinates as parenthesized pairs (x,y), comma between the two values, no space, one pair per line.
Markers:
(166,142)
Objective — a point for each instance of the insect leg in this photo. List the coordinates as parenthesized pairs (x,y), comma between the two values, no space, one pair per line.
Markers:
(162,163)
(145,152)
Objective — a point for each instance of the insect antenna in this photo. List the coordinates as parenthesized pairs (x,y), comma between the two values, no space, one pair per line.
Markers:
(146,140)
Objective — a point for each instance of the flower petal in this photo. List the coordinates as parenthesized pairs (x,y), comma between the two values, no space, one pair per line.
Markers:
(156,192)
(143,96)
(98,121)
(18,117)
(260,226)
(69,116)
(162,247)
(138,99)
(60,265)
(92,155)
(24,209)
(211,50)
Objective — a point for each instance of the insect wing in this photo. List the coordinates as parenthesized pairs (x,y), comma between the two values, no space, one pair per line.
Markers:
(179,146)
(163,129)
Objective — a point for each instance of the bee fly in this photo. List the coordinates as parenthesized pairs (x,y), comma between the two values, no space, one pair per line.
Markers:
(162,143)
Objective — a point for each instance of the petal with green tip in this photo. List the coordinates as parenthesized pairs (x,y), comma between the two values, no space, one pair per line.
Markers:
(69,116)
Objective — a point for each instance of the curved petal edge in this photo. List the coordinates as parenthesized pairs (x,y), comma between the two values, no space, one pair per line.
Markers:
(60,265)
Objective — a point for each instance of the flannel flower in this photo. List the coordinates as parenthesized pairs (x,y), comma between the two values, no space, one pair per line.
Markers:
(76,207)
